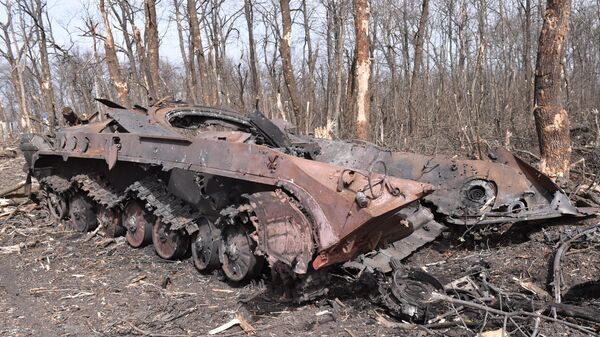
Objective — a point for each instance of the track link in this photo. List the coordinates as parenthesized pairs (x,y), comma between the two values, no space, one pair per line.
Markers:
(163,204)
(152,191)
(57,184)
(99,191)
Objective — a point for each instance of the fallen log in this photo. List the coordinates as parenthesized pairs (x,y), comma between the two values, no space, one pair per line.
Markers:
(589,314)
(556,266)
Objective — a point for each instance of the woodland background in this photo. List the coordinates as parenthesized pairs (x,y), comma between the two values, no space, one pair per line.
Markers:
(444,73)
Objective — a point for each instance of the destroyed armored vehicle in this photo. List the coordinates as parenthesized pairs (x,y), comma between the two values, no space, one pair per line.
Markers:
(234,192)
(238,191)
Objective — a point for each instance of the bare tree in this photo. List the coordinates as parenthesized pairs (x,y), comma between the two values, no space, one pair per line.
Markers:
(309,75)
(191,92)
(418,59)
(197,53)
(136,88)
(151,37)
(255,79)
(286,62)
(362,70)
(338,14)
(551,117)
(36,9)
(114,69)
(16,69)
(463,66)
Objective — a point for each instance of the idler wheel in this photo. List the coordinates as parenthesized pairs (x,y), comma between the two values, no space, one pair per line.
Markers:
(138,224)
(57,205)
(205,246)
(169,244)
(237,257)
(111,220)
(82,211)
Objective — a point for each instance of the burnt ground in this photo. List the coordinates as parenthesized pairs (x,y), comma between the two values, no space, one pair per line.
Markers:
(55,282)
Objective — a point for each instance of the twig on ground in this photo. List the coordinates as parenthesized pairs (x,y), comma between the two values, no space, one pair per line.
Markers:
(18,247)
(92,234)
(152,334)
(580,312)
(78,295)
(17,209)
(181,314)
(556,284)
(446,298)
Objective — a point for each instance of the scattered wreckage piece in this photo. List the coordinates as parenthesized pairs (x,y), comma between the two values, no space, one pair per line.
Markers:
(235,191)
(467,192)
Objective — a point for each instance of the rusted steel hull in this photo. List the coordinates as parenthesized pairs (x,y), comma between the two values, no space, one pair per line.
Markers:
(305,214)
(469,192)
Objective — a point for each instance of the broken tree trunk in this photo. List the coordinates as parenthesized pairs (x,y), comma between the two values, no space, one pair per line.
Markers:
(114,69)
(551,117)
(152,44)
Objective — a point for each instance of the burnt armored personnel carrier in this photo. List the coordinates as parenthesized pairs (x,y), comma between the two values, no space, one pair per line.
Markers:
(237,192)
(233,191)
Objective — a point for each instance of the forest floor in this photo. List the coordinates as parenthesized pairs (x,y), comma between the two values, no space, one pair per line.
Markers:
(56,282)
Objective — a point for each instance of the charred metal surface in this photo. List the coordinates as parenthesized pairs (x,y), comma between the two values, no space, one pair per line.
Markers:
(283,233)
(424,230)
(466,191)
(225,187)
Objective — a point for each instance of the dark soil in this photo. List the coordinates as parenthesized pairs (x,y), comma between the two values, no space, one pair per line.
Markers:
(63,283)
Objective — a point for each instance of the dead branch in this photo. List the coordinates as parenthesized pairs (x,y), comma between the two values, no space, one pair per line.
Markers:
(152,334)
(15,211)
(92,234)
(575,311)
(556,284)
(18,247)
(446,298)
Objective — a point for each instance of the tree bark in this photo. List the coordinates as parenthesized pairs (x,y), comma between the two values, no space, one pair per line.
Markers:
(526,51)
(143,60)
(551,117)
(198,51)
(248,11)
(190,90)
(311,62)
(151,37)
(15,70)
(36,13)
(286,61)
(418,59)
(114,70)
(362,70)
(339,12)
(126,15)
